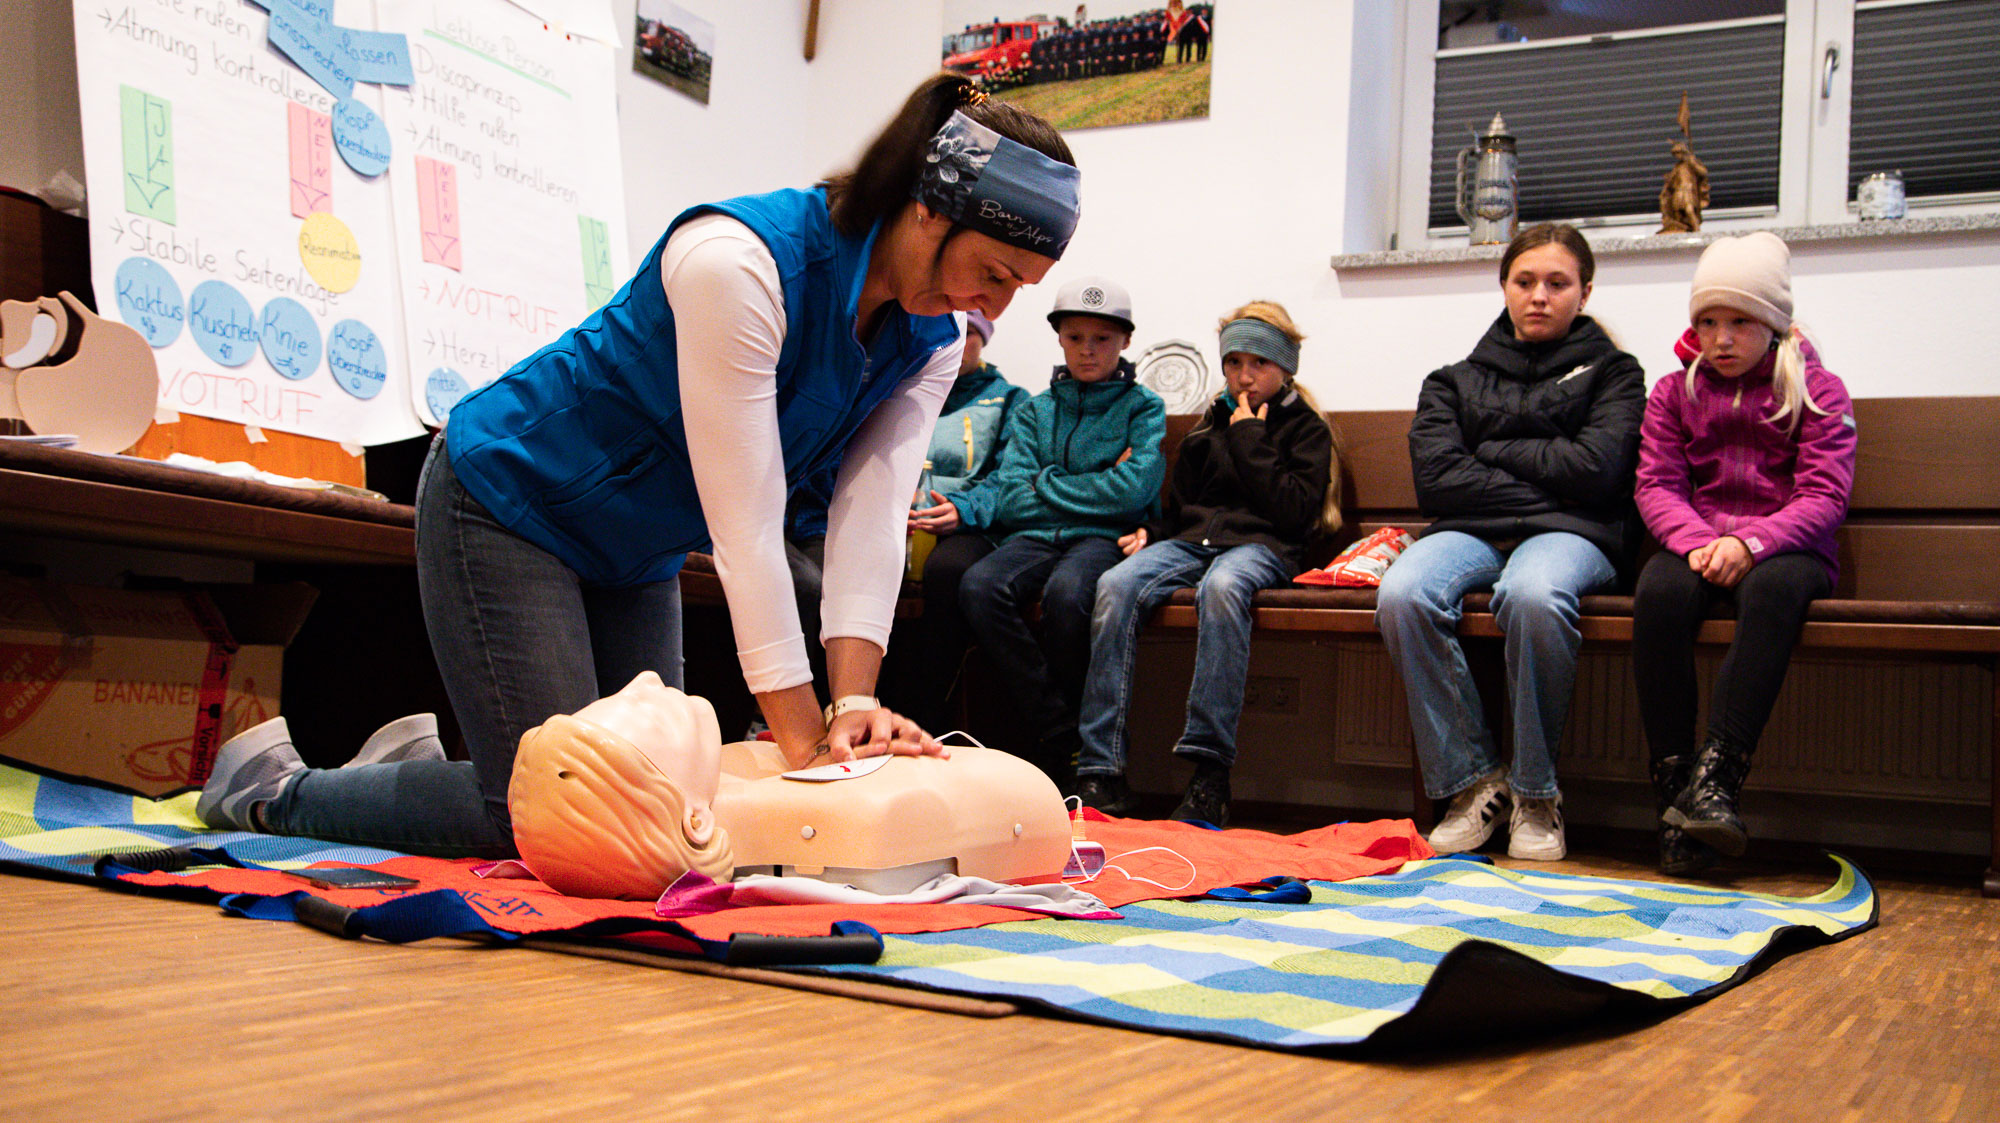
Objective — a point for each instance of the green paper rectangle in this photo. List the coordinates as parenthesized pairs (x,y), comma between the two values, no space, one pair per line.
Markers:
(148,124)
(598,282)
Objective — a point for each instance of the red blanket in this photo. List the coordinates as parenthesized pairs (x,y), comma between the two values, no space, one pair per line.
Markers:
(1219,858)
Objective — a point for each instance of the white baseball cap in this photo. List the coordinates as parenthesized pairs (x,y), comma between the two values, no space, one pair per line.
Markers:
(1094,296)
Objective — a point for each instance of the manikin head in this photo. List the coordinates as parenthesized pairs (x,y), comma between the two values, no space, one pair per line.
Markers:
(616,801)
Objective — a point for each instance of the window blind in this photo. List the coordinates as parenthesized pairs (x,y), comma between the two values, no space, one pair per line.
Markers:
(1927,96)
(1593,118)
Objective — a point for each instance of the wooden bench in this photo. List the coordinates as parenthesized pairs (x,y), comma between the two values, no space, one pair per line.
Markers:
(1920,552)
(1920,555)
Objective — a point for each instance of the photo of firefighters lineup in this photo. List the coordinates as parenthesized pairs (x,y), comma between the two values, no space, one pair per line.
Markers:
(1099,64)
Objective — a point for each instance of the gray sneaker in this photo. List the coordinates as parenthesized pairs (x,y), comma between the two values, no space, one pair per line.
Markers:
(253,766)
(1473,815)
(407,738)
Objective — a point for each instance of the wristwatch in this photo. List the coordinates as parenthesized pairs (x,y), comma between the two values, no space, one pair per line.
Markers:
(847,704)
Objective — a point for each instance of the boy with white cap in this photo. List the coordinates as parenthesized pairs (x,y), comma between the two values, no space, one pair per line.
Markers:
(1746,463)
(1082,465)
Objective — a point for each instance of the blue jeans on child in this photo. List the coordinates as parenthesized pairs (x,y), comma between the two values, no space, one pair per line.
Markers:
(1044,675)
(1225,578)
(1536,587)
(518,638)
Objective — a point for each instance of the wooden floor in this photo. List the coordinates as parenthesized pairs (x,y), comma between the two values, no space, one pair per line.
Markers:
(132,1008)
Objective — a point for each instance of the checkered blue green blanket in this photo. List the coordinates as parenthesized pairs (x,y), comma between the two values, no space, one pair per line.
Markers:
(1447,949)
(61,826)
(1444,950)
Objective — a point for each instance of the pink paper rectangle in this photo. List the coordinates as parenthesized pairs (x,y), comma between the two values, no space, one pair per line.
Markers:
(312,160)
(437,211)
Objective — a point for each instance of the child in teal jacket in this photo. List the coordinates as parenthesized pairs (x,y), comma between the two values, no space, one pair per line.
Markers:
(1082,465)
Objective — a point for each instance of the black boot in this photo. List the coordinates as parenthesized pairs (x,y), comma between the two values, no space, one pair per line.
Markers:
(1055,754)
(1207,798)
(1107,793)
(1679,854)
(1706,808)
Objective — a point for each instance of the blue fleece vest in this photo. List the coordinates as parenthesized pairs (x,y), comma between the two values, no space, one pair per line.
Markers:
(580,447)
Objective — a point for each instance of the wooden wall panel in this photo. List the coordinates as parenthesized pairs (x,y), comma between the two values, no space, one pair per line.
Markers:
(1927,453)
(1604,737)
(1912,729)
(1375,457)
(1904,561)
(1373,713)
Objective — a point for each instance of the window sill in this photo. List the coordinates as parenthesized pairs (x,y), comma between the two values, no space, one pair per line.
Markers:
(1883,229)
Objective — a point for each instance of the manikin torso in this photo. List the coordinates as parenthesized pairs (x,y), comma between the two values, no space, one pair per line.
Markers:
(887,825)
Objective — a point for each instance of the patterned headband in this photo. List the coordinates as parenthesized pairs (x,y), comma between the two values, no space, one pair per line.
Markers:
(1008,191)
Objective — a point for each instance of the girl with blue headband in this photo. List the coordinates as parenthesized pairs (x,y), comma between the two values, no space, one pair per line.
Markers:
(1252,483)
(765,339)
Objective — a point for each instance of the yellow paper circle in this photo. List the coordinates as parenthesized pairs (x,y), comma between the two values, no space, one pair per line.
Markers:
(329,251)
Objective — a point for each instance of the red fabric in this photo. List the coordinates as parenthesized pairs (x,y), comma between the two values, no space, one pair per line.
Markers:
(1233,857)
(1240,857)
(512,905)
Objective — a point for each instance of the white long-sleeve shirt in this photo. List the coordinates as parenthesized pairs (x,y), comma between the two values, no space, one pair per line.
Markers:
(729,317)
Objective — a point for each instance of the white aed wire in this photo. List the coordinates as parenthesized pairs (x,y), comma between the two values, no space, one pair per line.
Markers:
(1194,871)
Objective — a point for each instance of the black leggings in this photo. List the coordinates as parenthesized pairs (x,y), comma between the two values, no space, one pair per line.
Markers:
(925,670)
(1667,610)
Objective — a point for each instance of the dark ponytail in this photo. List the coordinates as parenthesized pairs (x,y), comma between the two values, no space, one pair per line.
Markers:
(882,180)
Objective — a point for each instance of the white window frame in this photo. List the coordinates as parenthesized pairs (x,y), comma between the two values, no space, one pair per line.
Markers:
(1815,114)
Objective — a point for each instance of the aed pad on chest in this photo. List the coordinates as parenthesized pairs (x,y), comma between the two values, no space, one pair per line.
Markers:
(892,825)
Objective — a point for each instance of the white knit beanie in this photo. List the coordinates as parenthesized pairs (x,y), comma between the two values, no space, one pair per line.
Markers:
(1752,274)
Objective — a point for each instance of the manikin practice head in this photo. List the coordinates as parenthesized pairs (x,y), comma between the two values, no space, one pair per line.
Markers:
(616,801)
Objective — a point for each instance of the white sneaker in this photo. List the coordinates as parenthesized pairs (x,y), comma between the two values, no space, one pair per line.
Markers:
(252,767)
(1535,831)
(1473,815)
(407,738)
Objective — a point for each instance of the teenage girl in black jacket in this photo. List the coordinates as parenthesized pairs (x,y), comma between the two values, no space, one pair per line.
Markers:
(1524,456)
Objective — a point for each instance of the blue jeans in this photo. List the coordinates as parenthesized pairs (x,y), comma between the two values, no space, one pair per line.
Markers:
(1044,675)
(1224,580)
(518,638)
(1535,587)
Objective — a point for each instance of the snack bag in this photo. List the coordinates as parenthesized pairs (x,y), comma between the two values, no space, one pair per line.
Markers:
(1361,565)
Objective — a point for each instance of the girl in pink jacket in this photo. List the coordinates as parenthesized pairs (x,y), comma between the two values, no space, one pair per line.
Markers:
(1746,462)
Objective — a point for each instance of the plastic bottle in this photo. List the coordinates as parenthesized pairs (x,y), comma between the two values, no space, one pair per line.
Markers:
(921,541)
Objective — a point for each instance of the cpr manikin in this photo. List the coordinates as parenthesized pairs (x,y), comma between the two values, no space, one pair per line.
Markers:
(636,789)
